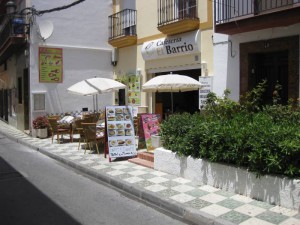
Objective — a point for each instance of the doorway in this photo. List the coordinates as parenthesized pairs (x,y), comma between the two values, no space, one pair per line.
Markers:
(273,59)
(272,67)
(182,101)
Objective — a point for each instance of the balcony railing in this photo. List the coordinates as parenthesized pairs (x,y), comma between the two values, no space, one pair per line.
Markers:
(12,35)
(226,10)
(122,23)
(170,11)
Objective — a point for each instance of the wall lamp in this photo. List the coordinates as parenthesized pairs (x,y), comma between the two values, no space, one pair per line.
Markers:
(114,57)
(10,7)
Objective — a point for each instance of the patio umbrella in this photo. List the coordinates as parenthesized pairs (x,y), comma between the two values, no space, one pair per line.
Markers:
(94,86)
(171,83)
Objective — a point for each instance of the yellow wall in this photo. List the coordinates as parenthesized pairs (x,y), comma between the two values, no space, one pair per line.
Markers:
(130,58)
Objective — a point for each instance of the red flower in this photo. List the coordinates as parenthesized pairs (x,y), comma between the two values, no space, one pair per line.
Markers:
(40,122)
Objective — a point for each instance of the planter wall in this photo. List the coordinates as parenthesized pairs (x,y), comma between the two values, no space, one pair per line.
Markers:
(272,189)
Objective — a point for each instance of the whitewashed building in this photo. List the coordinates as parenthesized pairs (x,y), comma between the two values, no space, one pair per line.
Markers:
(256,40)
(56,47)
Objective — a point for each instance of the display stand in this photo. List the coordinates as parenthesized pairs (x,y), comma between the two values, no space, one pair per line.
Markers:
(120,135)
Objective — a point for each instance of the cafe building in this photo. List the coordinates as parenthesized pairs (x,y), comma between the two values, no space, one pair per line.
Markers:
(157,37)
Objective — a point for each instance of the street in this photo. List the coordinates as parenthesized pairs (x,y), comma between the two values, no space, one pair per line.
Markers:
(35,189)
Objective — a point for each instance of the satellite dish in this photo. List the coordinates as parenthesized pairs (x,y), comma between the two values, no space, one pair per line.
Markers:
(46,29)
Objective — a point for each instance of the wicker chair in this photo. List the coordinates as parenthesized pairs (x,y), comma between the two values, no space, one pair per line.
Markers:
(90,134)
(79,130)
(56,130)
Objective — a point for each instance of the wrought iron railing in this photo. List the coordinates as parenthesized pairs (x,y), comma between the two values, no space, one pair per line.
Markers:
(226,10)
(170,11)
(122,23)
(12,27)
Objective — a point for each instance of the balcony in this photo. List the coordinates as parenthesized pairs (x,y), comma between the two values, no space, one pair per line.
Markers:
(122,28)
(12,37)
(235,16)
(177,16)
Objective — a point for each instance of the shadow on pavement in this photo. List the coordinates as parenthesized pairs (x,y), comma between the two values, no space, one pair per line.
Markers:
(22,203)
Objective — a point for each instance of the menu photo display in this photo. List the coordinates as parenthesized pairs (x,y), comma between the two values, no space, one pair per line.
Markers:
(120,131)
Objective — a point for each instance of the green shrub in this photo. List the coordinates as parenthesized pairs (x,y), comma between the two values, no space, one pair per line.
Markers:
(264,139)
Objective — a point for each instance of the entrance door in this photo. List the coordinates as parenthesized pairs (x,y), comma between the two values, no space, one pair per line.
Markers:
(26,98)
(182,101)
(272,67)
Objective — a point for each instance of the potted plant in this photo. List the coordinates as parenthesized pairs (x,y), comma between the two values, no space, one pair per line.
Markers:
(41,125)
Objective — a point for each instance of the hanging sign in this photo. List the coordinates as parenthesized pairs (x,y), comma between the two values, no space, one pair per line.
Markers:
(120,131)
(50,65)
(182,44)
(150,127)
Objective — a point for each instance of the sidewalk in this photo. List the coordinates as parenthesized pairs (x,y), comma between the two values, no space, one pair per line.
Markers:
(193,202)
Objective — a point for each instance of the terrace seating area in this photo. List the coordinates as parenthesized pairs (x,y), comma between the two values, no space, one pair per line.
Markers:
(78,127)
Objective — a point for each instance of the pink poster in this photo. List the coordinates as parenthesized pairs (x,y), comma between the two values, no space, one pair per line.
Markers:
(150,127)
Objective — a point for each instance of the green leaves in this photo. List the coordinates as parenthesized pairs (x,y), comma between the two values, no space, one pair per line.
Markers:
(265,139)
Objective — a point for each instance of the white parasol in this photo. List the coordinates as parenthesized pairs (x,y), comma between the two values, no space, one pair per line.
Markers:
(171,83)
(94,86)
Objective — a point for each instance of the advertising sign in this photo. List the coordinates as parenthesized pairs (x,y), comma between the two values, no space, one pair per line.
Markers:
(120,131)
(172,46)
(203,92)
(50,65)
(134,90)
(150,127)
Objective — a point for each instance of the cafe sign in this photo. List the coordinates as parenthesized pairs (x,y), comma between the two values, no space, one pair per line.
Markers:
(170,46)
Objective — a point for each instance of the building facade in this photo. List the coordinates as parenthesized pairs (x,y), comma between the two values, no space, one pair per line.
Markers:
(54,48)
(255,41)
(157,37)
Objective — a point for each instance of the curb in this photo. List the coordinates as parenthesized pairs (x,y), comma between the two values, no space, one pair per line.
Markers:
(183,212)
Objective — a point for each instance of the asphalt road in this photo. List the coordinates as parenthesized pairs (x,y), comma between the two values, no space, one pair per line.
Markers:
(35,189)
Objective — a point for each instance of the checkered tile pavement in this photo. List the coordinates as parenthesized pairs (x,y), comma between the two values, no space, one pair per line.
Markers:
(230,207)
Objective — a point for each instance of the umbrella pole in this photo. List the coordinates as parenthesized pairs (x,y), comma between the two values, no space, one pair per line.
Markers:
(94,102)
(97,102)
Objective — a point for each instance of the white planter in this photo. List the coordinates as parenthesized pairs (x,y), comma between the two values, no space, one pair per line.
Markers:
(42,133)
(34,133)
(272,189)
(156,141)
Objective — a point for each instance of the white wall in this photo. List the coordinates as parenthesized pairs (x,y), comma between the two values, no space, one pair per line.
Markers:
(82,32)
(227,68)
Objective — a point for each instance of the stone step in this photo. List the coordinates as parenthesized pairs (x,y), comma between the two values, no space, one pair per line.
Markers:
(149,156)
(142,162)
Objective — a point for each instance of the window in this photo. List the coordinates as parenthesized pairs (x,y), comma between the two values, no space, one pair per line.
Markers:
(39,101)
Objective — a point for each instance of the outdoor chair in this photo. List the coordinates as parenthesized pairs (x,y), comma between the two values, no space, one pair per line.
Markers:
(91,137)
(79,130)
(54,117)
(95,117)
(56,130)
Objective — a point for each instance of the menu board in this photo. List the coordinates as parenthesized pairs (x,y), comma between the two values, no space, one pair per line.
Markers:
(150,127)
(50,65)
(120,131)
